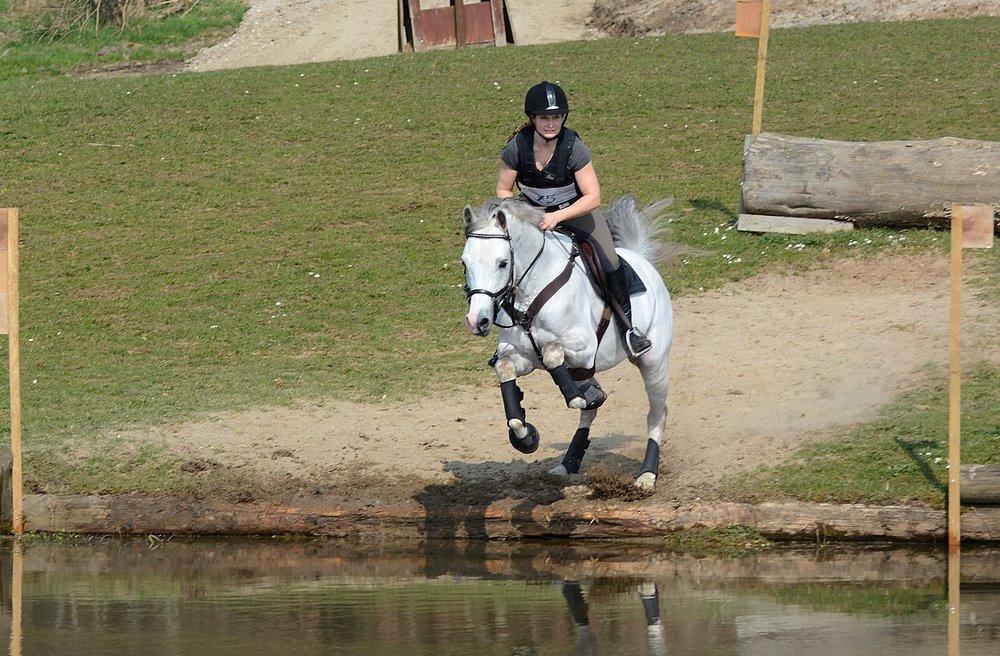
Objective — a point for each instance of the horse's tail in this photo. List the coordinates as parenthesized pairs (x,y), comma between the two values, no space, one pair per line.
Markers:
(642,230)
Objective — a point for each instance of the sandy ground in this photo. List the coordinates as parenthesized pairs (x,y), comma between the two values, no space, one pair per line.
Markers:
(534,22)
(279,32)
(759,368)
(634,17)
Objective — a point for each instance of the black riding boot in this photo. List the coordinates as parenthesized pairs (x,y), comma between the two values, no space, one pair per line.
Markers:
(635,342)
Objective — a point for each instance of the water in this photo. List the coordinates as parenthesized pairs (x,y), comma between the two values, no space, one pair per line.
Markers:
(251,598)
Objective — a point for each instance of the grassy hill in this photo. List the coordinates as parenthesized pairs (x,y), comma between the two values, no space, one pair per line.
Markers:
(196,242)
(53,37)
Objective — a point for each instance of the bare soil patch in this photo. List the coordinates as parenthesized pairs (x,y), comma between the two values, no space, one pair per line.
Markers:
(632,18)
(282,32)
(759,368)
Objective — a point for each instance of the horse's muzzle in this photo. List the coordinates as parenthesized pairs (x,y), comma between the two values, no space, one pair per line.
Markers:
(480,328)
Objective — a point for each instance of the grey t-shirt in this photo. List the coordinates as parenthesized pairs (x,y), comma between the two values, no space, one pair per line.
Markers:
(579,157)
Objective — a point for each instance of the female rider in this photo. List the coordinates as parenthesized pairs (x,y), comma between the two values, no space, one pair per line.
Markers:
(552,168)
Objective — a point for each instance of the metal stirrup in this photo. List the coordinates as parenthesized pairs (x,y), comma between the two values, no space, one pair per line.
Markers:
(636,334)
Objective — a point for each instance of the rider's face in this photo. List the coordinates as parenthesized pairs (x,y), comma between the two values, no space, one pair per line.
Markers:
(548,125)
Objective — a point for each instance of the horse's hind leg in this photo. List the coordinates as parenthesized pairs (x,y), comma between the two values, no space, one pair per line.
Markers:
(657,382)
(577,447)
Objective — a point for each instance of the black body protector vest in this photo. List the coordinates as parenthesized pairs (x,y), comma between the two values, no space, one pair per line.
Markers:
(554,187)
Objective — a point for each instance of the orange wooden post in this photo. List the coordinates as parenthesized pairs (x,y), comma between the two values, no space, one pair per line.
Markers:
(9,324)
(955,394)
(971,227)
(753,19)
(758,94)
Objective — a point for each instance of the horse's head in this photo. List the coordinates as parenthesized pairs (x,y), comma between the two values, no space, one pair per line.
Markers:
(488,263)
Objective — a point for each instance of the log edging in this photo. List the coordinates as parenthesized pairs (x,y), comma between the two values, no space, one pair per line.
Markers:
(505,519)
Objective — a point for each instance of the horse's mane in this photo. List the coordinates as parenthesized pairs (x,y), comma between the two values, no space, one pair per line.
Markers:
(640,229)
(514,209)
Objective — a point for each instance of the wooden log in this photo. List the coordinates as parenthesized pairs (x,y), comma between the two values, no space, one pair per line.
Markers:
(505,519)
(980,484)
(884,183)
(789,225)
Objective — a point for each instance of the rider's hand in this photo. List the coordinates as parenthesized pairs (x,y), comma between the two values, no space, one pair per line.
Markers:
(549,221)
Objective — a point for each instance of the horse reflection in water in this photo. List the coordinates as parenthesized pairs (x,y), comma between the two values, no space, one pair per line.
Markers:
(656,641)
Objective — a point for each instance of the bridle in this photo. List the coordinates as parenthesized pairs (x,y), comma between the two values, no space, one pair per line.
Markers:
(503,298)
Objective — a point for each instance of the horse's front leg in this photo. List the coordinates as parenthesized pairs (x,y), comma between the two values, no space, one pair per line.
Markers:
(582,397)
(522,435)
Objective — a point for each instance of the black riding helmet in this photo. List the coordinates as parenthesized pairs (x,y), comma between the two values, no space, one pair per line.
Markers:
(546,98)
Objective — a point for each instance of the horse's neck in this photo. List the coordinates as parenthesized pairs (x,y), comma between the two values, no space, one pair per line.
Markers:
(526,243)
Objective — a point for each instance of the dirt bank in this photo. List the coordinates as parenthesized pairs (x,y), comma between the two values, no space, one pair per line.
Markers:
(759,368)
(281,32)
(633,18)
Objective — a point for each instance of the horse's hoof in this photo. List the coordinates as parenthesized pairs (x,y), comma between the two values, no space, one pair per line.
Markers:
(559,470)
(646,481)
(517,426)
(577,403)
(529,443)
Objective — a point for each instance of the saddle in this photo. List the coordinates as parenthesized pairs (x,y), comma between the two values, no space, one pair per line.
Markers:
(595,272)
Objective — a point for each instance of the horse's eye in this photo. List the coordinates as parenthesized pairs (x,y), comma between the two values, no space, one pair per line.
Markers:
(503,264)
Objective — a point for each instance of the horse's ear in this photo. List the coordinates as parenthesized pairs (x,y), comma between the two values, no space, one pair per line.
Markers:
(467,216)
(502,219)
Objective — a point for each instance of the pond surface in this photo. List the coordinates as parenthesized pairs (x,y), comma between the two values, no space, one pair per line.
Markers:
(252,598)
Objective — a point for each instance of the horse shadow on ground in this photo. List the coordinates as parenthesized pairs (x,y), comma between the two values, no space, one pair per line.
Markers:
(456,522)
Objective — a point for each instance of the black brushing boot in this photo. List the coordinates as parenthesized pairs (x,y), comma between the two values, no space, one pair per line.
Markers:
(635,342)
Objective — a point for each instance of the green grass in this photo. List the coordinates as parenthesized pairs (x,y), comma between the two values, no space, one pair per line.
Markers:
(901,456)
(172,226)
(35,43)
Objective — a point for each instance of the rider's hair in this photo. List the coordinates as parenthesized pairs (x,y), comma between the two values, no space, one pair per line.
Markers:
(513,134)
